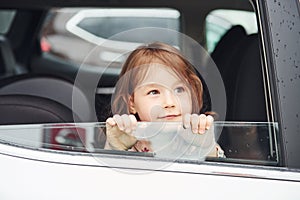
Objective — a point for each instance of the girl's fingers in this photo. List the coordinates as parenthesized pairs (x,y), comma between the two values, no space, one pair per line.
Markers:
(128,122)
(119,122)
(187,121)
(202,124)
(195,123)
(198,123)
(209,121)
(110,121)
(133,121)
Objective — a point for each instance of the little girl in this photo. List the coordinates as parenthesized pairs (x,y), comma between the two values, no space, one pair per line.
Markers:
(156,84)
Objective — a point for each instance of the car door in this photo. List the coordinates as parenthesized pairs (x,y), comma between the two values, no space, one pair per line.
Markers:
(68,160)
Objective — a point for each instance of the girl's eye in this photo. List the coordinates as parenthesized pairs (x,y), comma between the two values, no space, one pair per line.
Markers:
(153,92)
(179,90)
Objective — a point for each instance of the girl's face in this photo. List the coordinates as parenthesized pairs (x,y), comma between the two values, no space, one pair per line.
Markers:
(161,96)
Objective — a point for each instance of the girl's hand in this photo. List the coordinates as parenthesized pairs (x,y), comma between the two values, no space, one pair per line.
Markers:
(198,123)
(118,132)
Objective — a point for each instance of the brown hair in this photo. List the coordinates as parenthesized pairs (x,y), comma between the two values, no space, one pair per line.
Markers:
(155,53)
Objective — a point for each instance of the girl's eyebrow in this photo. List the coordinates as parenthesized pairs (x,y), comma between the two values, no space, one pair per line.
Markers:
(151,84)
(179,82)
(155,84)
(147,86)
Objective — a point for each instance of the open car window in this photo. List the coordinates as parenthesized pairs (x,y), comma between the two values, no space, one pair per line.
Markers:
(250,143)
(87,38)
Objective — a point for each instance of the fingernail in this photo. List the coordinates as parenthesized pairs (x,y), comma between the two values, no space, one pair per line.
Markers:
(201,131)
(195,130)
(127,130)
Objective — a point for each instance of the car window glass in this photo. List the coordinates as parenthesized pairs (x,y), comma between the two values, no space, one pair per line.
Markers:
(253,142)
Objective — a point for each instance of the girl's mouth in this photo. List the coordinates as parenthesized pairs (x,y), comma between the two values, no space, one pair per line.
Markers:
(169,117)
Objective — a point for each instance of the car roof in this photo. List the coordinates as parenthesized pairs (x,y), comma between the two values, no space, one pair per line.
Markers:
(126,3)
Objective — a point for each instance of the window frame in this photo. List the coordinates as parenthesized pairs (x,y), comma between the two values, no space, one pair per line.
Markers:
(282,100)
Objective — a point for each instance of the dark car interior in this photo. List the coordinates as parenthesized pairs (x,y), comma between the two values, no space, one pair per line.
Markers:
(30,76)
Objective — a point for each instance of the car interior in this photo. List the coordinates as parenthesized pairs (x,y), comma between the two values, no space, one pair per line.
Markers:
(33,73)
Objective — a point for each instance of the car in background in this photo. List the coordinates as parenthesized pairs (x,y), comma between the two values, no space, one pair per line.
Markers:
(84,29)
(55,97)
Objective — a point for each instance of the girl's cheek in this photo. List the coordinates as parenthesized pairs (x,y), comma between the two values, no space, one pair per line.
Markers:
(149,111)
(186,104)
(155,111)
(144,115)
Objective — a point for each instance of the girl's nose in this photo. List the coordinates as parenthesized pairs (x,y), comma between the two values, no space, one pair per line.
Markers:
(169,99)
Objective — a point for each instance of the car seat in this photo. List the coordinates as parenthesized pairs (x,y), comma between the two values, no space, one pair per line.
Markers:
(249,102)
(54,88)
(26,109)
(226,56)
